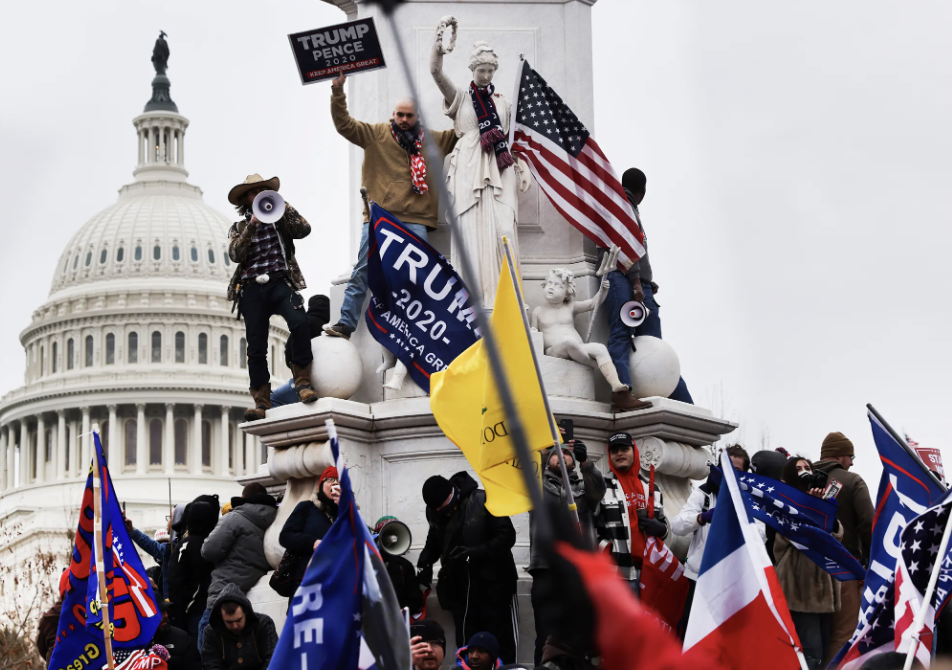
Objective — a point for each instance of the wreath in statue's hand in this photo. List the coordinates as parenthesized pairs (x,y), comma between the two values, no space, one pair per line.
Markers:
(447,22)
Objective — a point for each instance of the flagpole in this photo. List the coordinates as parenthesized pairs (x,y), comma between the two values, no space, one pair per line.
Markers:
(909,450)
(553,428)
(467,271)
(927,596)
(100,557)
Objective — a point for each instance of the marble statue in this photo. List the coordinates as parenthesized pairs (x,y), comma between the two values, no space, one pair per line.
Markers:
(482,175)
(399,370)
(160,54)
(556,321)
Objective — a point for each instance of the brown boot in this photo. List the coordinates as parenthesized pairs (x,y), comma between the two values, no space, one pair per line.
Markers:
(302,382)
(262,398)
(626,402)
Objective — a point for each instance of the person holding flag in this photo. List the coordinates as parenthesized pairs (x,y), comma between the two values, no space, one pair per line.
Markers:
(105,568)
(621,520)
(345,613)
(739,615)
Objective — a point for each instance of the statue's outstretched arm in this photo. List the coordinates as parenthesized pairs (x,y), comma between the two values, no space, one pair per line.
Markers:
(436,59)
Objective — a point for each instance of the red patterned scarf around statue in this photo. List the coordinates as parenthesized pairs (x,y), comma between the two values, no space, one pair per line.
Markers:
(412,142)
(635,499)
(491,135)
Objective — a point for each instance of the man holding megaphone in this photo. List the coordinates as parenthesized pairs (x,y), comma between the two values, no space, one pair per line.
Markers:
(268,281)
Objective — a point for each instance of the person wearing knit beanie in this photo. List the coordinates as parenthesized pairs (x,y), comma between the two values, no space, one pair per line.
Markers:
(837,447)
(436,490)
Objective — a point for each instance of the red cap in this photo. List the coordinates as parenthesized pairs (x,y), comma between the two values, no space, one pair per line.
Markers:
(63,582)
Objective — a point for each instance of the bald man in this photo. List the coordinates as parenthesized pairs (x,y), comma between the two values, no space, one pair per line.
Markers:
(396,176)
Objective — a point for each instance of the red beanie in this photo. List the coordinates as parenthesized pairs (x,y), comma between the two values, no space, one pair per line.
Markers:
(329,472)
(64,582)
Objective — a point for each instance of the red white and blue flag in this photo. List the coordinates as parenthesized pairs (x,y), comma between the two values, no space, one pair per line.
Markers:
(571,169)
(345,612)
(739,615)
(921,552)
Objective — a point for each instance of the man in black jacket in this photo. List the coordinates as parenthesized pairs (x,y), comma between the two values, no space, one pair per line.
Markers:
(183,651)
(237,637)
(189,574)
(477,580)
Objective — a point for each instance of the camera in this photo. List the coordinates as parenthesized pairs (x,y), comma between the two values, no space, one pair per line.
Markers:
(814,480)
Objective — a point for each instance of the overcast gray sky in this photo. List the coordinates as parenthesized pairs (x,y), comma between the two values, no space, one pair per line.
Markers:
(797,161)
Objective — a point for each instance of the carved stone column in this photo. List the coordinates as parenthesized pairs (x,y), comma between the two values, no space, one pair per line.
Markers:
(168,449)
(221,466)
(24,452)
(40,448)
(61,445)
(115,438)
(195,458)
(86,441)
(142,452)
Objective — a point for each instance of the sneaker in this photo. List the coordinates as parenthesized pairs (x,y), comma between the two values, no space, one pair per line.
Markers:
(338,330)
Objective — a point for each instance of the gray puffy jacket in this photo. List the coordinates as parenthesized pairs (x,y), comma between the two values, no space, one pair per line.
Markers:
(236,546)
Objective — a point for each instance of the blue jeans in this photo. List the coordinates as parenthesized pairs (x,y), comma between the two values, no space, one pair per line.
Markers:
(619,337)
(201,628)
(286,394)
(356,289)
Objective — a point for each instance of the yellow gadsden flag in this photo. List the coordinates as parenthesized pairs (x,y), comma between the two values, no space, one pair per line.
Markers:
(465,401)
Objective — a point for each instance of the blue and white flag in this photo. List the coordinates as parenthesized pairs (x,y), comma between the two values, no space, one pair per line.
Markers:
(419,309)
(133,614)
(345,614)
(805,520)
(906,490)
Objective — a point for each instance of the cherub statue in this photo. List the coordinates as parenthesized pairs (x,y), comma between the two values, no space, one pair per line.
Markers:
(556,321)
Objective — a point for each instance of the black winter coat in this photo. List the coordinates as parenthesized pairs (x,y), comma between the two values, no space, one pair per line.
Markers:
(251,649)
(405,582)
(490,569)
(308,523)
(183,650)
(189,573)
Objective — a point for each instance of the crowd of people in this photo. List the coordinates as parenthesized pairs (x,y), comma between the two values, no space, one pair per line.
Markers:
(211,555)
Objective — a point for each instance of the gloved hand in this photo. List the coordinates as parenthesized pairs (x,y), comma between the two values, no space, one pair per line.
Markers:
(458,554)
(128,523)
(637,292)
(425,575)
(580,451)
(654,287)
(706,517)
(652,527)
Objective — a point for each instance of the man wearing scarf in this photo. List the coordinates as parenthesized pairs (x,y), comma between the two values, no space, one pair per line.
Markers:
(621,520)
(396,176)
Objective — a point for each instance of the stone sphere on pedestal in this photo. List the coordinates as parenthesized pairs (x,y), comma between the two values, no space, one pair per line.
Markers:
(337,367)
(655,368)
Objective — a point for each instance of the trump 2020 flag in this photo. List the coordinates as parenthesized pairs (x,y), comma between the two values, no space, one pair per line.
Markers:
(739,615)
(419,309)
(133,614)
(345,614)
(805,520)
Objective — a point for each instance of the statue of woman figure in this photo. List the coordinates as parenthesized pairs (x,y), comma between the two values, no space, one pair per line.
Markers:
(481,173)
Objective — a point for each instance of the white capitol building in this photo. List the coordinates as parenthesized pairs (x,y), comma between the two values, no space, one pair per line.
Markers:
(137,337)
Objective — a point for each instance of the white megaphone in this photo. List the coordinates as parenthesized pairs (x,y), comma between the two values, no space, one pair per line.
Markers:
(268,207)
(394,538)
(633,313)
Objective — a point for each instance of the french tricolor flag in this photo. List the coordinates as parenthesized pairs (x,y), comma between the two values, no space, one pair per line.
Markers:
(739,615)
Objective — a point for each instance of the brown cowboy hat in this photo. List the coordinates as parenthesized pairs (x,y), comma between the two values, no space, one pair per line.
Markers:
(252,181)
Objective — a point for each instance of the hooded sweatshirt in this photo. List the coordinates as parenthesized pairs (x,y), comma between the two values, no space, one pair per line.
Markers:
(251,649)
(236,546)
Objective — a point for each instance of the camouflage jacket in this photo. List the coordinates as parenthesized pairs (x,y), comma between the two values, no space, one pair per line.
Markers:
(291,226)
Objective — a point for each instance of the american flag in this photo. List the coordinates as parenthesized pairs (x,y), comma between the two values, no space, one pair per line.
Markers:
(911,442)
(571,169)
(921,552)
(874,636)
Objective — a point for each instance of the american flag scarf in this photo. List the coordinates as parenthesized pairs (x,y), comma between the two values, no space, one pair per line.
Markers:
(413,144)
(491,136)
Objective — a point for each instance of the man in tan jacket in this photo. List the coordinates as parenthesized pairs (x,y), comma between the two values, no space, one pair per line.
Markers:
(396,176)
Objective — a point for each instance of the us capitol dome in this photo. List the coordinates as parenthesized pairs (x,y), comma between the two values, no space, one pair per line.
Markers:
(136,336)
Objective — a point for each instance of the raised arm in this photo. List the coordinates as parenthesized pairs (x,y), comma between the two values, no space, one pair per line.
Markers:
(580,306)
(356,132)
(436,59)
